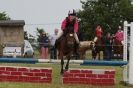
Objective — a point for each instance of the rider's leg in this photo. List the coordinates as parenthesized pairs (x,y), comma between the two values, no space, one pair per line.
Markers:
(59,34)
(77,44)
(76,38)
(58,38)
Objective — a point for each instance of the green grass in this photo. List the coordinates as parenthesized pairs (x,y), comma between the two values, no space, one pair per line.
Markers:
(56,82)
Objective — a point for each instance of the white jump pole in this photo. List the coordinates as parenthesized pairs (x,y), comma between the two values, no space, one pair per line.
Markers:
(125,73)
(128,69)
(131,56)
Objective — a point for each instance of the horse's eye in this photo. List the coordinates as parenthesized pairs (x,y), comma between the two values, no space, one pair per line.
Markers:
(71,34)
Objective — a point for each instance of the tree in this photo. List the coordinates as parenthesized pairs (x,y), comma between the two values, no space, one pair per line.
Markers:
(108,13)
(3,16)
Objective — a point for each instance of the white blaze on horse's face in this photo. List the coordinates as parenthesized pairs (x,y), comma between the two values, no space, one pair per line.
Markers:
(71,35)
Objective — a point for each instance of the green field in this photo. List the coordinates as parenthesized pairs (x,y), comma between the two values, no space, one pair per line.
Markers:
(56,82)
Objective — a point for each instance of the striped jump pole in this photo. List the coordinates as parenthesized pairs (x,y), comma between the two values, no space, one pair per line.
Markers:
(33,60)
(81,62)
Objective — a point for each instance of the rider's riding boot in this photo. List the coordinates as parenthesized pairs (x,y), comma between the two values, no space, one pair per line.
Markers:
(77,49)
(56,43)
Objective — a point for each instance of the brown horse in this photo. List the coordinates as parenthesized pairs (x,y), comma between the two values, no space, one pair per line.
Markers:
(66,48)
(97,47)
(117,49)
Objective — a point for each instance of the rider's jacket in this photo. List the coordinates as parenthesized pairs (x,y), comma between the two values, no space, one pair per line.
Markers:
(67,24)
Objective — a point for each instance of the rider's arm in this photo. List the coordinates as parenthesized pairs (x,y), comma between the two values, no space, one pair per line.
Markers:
(76,27)
(63,25)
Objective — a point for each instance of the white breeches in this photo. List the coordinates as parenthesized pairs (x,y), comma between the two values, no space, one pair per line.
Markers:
(60,34)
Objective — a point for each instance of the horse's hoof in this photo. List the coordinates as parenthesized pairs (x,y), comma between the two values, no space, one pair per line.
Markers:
(62,72)
(66,70)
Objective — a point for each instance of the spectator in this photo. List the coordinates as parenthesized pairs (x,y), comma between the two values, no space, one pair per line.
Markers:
(53,50)
(119,36)
(25,35)
(44,43)
(98,33)
(108,46)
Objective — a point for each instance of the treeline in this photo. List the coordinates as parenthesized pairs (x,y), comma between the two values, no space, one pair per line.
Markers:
(107,13)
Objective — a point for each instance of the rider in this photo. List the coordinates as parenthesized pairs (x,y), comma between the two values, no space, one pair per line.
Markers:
(98,33)
(69,23)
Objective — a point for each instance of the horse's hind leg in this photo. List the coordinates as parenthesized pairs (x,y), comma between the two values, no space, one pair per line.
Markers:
(67,64)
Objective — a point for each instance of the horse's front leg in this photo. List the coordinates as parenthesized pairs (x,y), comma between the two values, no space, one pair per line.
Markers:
(62,63)
(67,64)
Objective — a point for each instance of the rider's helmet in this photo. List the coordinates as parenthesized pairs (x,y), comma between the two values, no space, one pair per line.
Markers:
(72,13)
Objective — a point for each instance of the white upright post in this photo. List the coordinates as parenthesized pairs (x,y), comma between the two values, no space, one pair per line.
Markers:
(131,56)
(125,41)
(125,73)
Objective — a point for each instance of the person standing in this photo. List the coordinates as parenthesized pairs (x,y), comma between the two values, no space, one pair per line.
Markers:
(108,47)
(25,35)
(53,50)
(44,44)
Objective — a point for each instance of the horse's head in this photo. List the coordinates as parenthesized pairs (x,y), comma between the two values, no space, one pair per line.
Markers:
(92,45)
(70,40)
